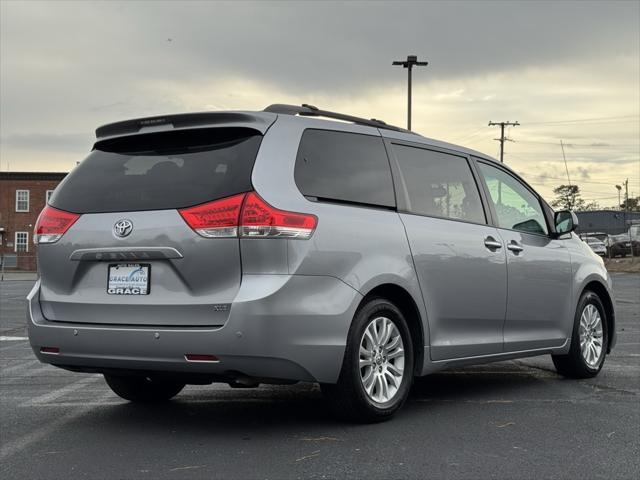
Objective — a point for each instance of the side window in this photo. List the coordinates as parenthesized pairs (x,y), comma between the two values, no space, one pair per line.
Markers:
(344,166)
(439,184)
(516,206)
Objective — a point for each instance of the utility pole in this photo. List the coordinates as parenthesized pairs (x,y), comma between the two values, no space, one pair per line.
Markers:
(409,63)
(502,139)
(626,195)
(619,202)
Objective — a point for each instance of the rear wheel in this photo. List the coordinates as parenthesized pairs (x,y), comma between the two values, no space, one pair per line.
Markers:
(377,369)
(588,342)
(143,389)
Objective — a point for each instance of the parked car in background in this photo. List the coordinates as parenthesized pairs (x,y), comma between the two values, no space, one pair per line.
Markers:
(596,245)
(598,235)
(620,246)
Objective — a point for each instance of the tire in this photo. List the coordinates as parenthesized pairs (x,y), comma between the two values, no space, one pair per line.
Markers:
(143,389)
(574,364)
(348,398)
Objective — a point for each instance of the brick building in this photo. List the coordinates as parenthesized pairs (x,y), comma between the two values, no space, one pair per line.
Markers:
(22,196)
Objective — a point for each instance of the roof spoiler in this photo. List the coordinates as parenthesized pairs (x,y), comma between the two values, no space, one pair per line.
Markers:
(183,120)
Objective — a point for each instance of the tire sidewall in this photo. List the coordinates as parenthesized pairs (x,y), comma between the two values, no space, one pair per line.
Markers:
(372,309)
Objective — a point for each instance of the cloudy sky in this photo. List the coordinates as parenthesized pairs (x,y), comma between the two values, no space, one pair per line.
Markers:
(566,71)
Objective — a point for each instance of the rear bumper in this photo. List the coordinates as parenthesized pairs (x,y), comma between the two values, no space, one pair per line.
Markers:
(289,327)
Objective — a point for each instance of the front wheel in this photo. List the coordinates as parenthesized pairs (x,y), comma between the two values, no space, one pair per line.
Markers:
(588,342)
(377,370)
(143,389)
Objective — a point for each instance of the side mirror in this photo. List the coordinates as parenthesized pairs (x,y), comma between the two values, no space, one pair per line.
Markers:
(565,221)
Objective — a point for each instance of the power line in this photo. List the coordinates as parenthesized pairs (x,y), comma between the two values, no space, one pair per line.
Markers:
(584,145)
(580,120)
(547,177)
(465,138)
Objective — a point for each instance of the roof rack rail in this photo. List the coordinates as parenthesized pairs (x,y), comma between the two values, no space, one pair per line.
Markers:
(313,111)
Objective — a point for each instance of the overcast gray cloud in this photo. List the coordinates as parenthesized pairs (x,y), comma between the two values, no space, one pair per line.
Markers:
(66,67)
(305,45)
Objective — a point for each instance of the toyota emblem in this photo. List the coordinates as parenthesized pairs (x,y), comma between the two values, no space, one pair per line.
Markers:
(123,228)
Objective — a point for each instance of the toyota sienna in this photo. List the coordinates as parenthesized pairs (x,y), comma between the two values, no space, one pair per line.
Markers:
(279,246)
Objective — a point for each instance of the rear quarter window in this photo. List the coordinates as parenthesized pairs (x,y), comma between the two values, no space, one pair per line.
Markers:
(344,167)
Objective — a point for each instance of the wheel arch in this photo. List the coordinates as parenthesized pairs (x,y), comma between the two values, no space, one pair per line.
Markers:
(602,292)
(402,299)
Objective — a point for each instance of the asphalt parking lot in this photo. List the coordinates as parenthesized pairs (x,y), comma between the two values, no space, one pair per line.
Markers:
(515,419)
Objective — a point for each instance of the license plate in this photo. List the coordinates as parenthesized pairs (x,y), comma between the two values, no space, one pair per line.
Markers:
(128,279)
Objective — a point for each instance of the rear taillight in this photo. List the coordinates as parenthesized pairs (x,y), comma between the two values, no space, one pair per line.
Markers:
(247,215)
(215,219)
(259,219)
(52,225)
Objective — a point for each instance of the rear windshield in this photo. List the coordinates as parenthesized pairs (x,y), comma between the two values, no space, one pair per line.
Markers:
(159,171)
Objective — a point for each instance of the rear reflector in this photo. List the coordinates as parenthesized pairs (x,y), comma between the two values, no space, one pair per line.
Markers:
(247,215)
(197,357)
(52,225)
(50,350)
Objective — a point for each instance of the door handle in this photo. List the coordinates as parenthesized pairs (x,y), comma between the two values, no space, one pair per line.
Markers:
(515,247)
(492,244)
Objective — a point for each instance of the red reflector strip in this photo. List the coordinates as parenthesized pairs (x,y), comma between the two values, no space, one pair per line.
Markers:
(50,350)
(197,357)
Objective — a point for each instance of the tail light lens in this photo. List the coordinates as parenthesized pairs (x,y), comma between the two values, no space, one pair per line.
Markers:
(52,225)
(215,219)
(247,215)
(259,219)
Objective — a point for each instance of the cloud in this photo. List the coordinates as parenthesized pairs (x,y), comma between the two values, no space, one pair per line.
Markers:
(71,142)
(72,66)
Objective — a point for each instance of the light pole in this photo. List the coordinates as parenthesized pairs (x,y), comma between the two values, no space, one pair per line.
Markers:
(409,63)
(619,204)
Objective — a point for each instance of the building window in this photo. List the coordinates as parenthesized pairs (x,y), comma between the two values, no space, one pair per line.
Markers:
(22,242)
(22,200)
(49,193)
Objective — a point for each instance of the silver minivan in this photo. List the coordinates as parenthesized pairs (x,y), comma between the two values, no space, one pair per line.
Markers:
(281,246)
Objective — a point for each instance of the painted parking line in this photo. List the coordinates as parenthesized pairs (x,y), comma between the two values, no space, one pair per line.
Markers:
(4,338)
(61,392)
(14,345)
(10,447)
(34,372)
(16,368)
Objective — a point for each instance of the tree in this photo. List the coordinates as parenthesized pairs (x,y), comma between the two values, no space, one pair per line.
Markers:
(568,198)
(634,204)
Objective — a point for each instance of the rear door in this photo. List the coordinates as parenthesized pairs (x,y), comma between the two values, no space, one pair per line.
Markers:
(539,267)
(458,257)
(131,258)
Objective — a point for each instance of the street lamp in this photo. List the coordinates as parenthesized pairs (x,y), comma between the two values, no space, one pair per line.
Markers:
(409,63)
(619,204)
